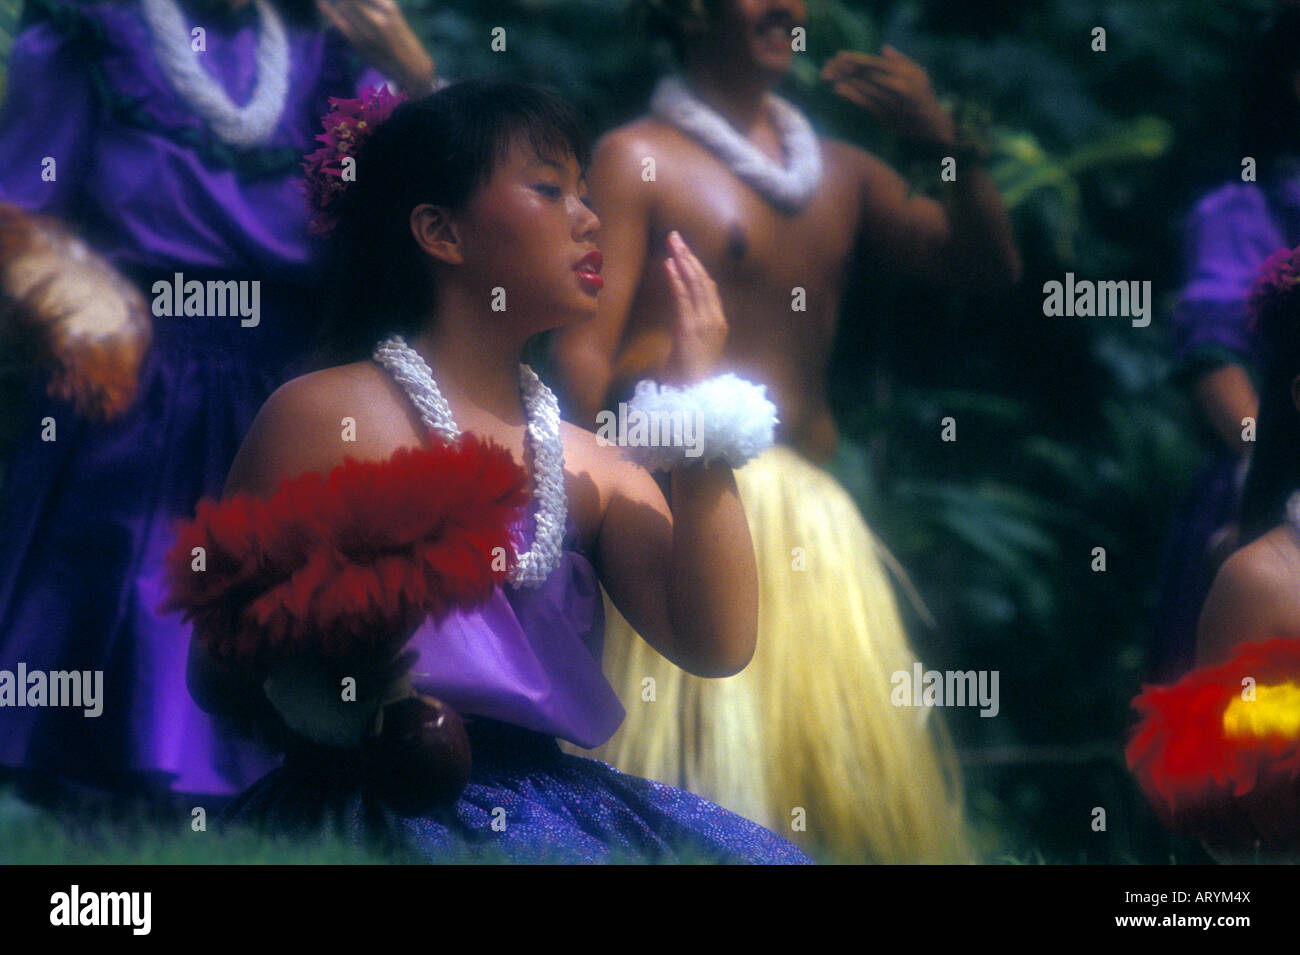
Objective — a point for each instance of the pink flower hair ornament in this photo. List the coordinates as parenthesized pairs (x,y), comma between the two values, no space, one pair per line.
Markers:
(1276,292)
(347,126)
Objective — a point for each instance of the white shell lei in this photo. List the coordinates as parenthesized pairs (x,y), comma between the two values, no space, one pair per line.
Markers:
(243,126)
(788,188)
(543,411)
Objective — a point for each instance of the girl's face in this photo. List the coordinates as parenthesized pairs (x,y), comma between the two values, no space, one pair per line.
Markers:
(531,232)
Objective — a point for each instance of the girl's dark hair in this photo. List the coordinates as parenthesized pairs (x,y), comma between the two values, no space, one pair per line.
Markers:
(441,150)
(1275,464)
(1270,115)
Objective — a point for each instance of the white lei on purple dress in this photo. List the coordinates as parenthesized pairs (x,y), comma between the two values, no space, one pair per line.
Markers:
(243,126)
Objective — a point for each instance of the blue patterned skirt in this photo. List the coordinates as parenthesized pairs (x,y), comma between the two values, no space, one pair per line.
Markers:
(526,802)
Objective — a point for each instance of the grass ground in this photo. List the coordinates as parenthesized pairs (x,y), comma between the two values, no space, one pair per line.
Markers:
(1017,817)
(33,836)
(30,835)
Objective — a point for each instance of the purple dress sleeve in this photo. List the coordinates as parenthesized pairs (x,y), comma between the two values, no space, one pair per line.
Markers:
(48,80)
(1230,234)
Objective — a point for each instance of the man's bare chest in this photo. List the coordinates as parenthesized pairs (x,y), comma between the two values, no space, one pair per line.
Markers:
(742,238)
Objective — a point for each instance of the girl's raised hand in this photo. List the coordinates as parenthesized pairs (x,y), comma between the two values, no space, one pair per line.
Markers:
(378,30)
(700,332)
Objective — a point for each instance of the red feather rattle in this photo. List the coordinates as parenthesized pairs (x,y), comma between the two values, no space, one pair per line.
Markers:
(1218,753)
(340,570)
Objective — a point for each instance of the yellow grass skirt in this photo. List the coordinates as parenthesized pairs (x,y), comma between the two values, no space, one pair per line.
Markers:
(805,740)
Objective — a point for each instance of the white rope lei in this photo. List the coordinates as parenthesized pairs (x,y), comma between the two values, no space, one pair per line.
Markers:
(241,126)
(543,411)
(788,188)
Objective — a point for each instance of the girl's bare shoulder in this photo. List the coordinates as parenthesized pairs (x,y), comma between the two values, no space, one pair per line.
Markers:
(313,422)
(1265,574)
(605,472)
(604,462)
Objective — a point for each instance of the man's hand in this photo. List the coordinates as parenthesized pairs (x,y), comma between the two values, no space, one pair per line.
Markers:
(894,89)
(378,31)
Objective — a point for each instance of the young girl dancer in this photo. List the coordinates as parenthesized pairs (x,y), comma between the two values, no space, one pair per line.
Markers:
(1230,233)
(1217,753)
(467,230)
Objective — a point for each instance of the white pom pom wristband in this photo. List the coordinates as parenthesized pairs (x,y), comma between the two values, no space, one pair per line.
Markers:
(665,426)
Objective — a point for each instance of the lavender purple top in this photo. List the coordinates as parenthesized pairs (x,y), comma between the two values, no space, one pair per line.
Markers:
(530,657)
(1230,233)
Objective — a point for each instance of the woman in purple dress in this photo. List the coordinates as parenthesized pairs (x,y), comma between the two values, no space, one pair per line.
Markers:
(121,119)
(1231,232)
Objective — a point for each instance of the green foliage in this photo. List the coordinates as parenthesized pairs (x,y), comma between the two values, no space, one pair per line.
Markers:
(34,836)
(9,11)
(1021,167)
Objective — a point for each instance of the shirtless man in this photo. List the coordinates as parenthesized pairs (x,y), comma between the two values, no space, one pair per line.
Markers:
(778,217)
(757,253)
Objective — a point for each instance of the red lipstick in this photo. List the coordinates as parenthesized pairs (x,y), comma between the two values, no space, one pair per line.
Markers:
(588,269)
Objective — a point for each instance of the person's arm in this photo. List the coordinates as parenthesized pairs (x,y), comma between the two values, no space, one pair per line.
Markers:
(1227,237)
(584,354)
(966,239)
(289,436)
(380,33)
(228,691)
(296,432)
(686,580)
(1226,396)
